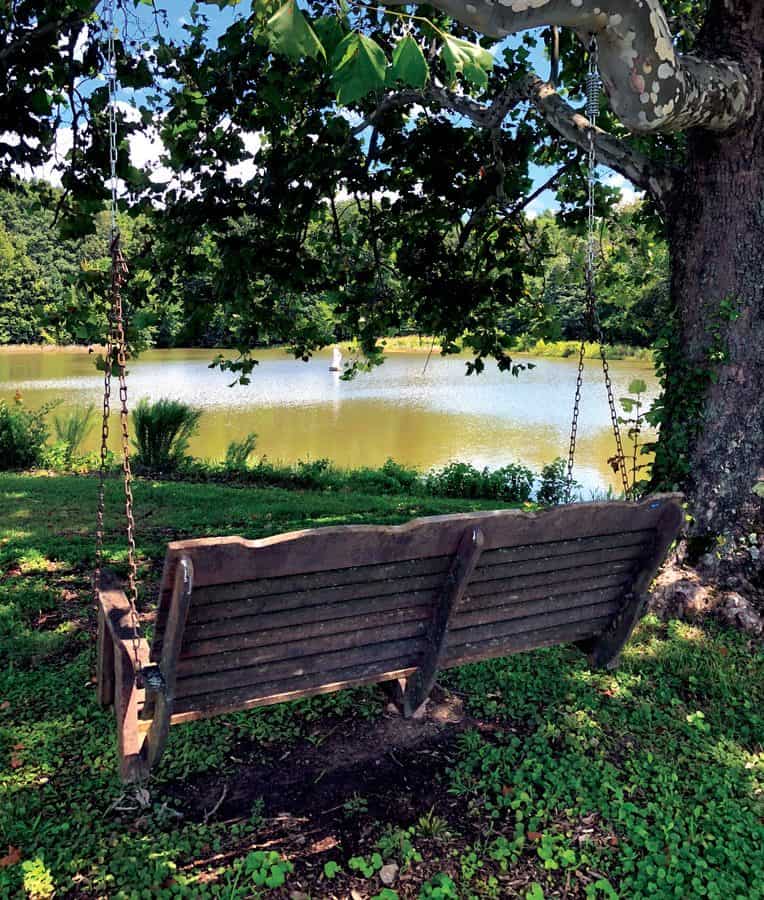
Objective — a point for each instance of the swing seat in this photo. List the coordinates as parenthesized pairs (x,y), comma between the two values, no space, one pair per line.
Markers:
(246,623)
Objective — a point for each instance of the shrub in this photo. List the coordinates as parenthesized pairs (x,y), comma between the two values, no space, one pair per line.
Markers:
(72,428)
(23,433)
(162,432)
(512,482)
(238,453)
(553,485)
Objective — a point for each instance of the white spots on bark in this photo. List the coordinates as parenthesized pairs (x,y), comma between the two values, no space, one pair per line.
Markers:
(665,71)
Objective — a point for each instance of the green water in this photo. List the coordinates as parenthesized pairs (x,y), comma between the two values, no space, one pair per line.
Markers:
(416,416)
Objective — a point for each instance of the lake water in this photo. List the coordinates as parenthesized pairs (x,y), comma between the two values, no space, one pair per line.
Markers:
(422,417)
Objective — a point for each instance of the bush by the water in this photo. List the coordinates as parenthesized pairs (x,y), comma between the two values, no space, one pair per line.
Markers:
(512,483)
(162,431)
(73,427)
(23,433)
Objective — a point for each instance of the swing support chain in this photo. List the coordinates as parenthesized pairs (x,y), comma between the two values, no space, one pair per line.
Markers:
(593,325)
(116,354)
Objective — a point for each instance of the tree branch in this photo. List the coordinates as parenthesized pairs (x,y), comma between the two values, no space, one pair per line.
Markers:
(611,151)
(652,88)
(572,125)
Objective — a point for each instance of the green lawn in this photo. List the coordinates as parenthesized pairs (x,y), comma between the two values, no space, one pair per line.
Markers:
(642,783)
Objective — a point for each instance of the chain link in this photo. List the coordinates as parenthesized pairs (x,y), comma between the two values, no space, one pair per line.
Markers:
(593,325)
(116,349)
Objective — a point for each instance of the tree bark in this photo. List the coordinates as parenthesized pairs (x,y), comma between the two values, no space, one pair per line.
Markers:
(714,396)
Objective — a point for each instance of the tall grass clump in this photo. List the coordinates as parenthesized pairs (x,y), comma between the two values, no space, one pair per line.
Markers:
(23,433)
(72,428)
(239,452)
(162,432)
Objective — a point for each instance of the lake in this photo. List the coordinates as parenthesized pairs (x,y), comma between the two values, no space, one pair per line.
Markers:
(421,416)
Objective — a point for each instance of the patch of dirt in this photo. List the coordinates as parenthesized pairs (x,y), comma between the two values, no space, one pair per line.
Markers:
(330,800)
(387,768)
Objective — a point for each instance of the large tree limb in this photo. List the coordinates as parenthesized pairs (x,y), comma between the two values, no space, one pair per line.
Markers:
(572,125)
(611,151)
(651,87)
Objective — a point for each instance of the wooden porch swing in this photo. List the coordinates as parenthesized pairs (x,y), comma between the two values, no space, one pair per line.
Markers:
(245,623)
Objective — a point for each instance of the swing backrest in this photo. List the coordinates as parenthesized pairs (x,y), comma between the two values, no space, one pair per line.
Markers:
(317,610)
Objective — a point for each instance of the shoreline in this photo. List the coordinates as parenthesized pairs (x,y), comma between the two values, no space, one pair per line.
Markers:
(423,347)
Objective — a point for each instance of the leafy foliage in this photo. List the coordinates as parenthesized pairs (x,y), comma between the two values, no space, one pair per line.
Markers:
(162,431)
(23,433)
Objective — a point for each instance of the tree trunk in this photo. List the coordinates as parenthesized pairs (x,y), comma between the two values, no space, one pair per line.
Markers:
(712,438)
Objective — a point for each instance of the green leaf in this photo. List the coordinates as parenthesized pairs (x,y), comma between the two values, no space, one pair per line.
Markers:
(470,59)
(359,67)
(290,33)
(330,32)
(637,386)
(409,64)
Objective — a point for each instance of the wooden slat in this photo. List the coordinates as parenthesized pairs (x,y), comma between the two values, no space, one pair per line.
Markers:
(327,598)
(239,658)
(268,691)
(604,605)
(322,578)
(552,582)
(505,606)
(195,712)
(277,636)
(401,654)
(569,546)
(602,558)
(234,559)
(347,612)
(504,645)
(313,581)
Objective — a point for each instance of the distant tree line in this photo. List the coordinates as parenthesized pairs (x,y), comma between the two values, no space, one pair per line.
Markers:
(53,287)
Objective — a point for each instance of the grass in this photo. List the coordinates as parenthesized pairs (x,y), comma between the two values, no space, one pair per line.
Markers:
(646,782)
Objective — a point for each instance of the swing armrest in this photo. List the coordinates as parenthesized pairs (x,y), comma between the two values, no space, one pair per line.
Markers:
(116,673)
(115,609)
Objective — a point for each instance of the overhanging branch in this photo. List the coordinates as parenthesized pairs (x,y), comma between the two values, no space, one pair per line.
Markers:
(651,87)
(611,151)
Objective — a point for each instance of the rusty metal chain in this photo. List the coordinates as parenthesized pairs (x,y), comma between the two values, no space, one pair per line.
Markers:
(116,348)
(593,325)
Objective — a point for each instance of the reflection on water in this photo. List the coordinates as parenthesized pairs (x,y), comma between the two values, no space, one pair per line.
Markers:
(299,410)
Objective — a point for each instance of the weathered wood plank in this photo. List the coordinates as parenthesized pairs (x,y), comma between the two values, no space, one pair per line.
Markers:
(173,637)
(505,645)
(397,654)
(104,662)
(564,582)
(385,620)
(227,560)
(239,658)
(571,545)
(312,581)
(195,713)
(325,597)
(244,697)
(420,684)
(605,607)
(263,604)
(620,556)
(292,585)
(505,607)
(337,617)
